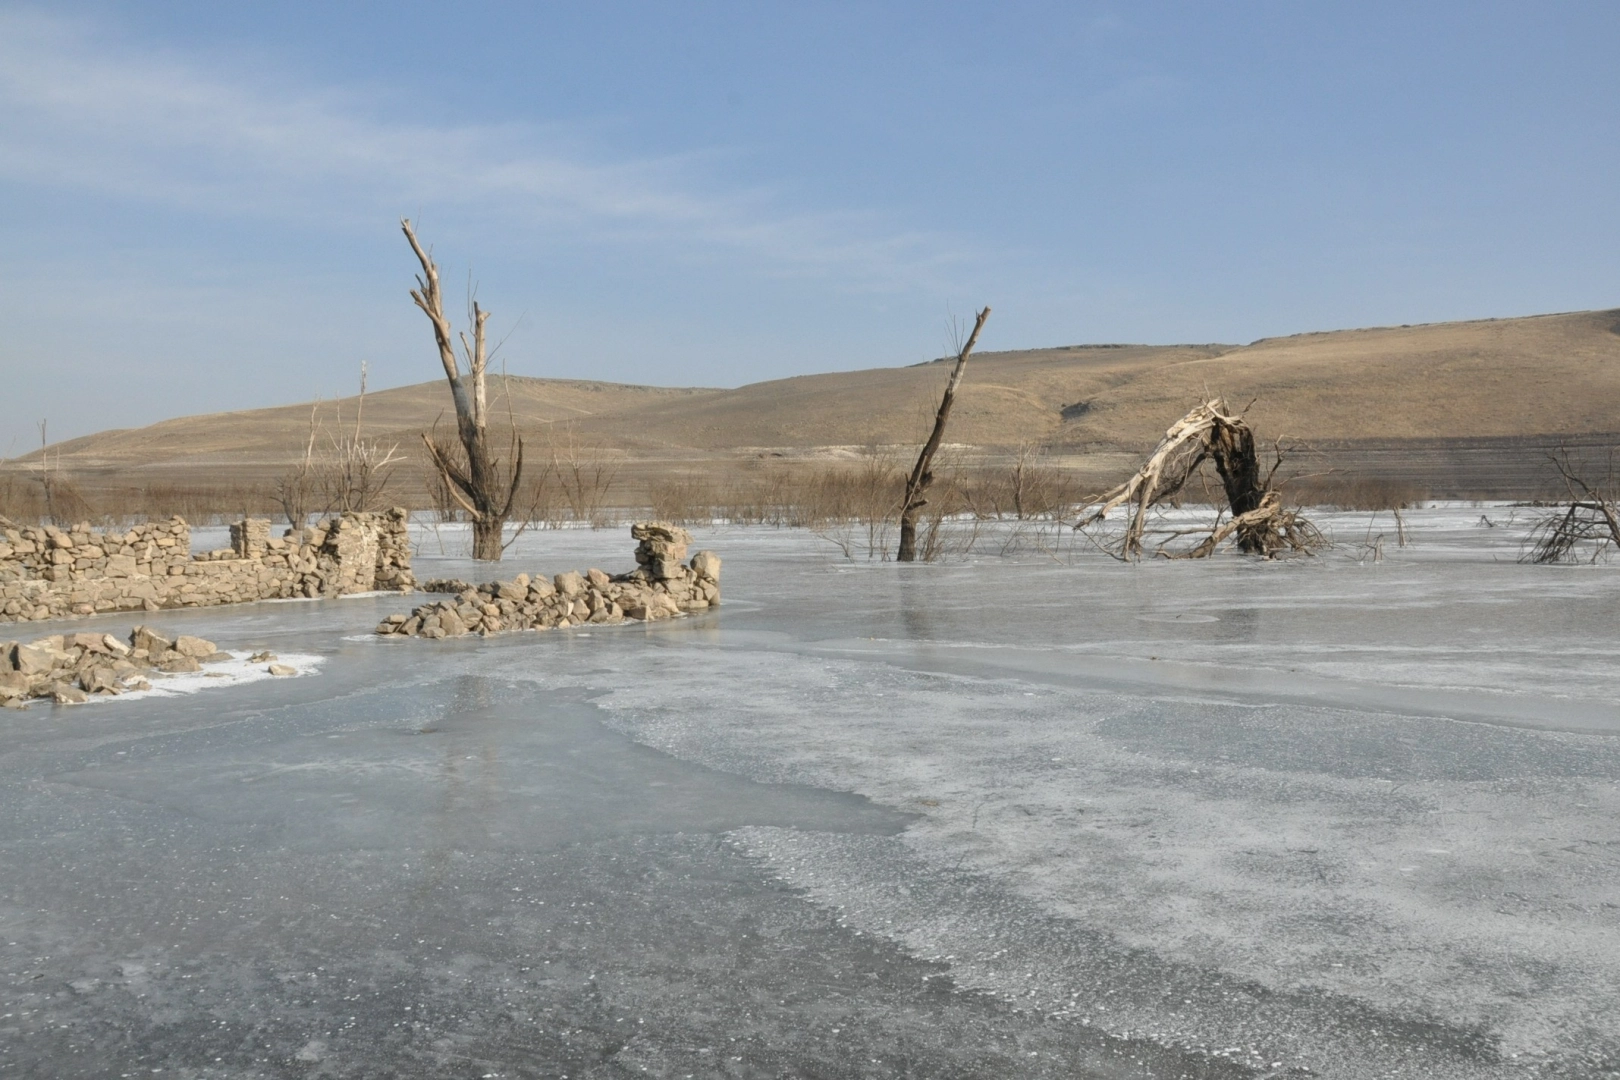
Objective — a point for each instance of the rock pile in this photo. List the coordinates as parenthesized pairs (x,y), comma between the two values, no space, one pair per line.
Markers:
(71,668)
(663,585)
(48,573)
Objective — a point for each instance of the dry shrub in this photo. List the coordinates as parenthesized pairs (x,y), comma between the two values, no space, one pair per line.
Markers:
(20,499)
(685,501)
(1587,524)
(585,476)
(1355,492)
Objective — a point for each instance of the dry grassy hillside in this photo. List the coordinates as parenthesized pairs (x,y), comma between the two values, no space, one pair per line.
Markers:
(1545,375)
(255,438)
(1452,408)
(1008,398)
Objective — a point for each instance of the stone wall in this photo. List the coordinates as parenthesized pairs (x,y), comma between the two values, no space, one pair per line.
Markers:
(52,573)
(663,585)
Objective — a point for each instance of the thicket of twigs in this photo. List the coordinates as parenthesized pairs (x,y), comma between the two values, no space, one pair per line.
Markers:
(1585,527)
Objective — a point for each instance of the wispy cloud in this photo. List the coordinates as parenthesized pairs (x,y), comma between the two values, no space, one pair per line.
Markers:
(77,112)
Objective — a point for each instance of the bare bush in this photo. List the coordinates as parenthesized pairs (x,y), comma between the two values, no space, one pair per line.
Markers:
(1586,526)
(355,472)
(585,474)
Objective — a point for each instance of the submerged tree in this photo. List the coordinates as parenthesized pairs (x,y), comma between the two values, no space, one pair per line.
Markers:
(1586,525)
(472,475)
(1260,523)
(922,475)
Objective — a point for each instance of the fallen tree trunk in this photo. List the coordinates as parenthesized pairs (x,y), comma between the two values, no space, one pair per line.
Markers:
(922,473)
(1259,524)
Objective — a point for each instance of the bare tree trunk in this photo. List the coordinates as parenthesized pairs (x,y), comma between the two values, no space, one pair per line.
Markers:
(1231,444)
(922,473)
(479,486)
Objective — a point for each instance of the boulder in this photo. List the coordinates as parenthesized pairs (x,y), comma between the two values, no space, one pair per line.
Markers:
(652,606)
(36,659)
(144,637)
(665,567)
(87,642)
(186,645)
(570,584)
(706,564)
(63,694)
(99,679)
(659,532)
(13,685)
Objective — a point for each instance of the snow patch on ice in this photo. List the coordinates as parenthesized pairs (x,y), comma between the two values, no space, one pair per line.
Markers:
(237,671)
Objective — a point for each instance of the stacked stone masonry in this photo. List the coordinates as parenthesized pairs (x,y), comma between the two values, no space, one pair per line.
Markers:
(663,585)
(52,573)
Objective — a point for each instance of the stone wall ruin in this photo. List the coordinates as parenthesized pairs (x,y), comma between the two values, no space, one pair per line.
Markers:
(663,584)
(52,573)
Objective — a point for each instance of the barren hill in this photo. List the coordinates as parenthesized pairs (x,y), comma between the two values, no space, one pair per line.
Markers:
(1443,405)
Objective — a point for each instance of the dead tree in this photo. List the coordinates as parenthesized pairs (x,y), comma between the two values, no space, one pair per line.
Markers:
(1259,524)
(1588,522)
(922,473)
(474,476)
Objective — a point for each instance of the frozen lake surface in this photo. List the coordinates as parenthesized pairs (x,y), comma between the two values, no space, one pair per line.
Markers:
(1023,814)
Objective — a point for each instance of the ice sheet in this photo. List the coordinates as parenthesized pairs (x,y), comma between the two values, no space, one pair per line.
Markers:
(1341,814)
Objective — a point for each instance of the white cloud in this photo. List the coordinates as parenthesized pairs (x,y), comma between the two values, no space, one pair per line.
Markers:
(76,112)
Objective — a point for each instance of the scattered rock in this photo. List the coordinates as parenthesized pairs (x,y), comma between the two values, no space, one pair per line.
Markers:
(262,657)
(71,668)
(281,669)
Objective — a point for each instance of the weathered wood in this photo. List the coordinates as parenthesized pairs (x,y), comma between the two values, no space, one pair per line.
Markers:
(478,486)
(1259,522)
(922,475)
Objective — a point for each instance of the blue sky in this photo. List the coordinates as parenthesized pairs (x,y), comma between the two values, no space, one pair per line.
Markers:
(199,201)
